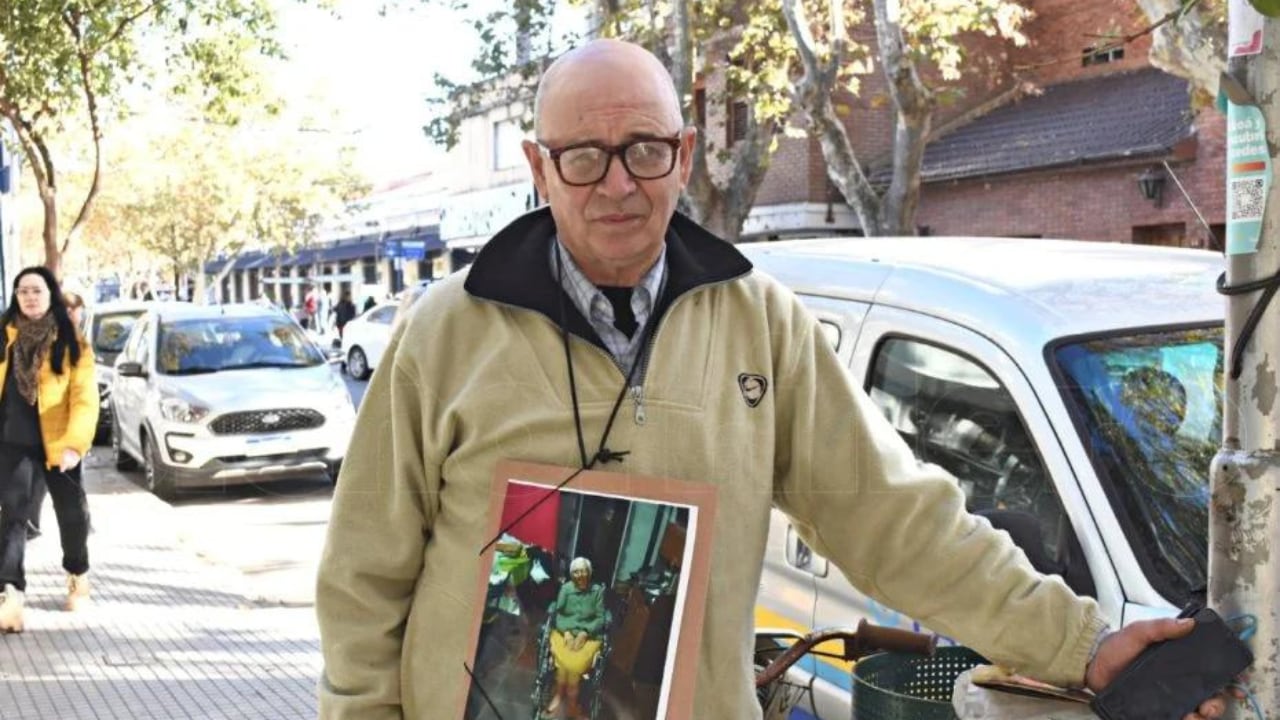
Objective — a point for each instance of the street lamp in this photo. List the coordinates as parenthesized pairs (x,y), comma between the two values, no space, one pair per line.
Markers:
(1151,183)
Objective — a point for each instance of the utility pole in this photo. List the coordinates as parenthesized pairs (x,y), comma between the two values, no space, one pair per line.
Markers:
(1244,512)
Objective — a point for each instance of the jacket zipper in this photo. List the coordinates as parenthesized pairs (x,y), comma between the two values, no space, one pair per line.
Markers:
(637,390)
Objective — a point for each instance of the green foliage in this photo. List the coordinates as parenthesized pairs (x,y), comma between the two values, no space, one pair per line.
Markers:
(208,47)
(203,190)
(67,65)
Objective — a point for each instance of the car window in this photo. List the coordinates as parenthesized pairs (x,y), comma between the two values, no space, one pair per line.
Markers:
(229,343)
(111,331)
(383,315)
(1149,409)
(142,350)
(954,413)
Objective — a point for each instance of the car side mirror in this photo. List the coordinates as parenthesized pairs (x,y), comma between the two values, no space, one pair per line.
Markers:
(131,369)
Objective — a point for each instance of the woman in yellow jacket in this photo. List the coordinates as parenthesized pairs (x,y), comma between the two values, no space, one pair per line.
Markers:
(48,412)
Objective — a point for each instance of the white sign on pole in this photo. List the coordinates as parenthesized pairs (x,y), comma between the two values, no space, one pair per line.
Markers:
(1244,29)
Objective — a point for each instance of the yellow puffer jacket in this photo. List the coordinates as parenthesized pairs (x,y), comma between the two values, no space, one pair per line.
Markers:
(67,403)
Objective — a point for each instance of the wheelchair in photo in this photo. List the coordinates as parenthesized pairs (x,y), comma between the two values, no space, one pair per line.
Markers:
(591,690)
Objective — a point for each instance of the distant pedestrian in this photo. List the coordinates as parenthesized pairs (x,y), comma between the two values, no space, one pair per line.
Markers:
(49,406)
(70,504)
(343,312)
(310,308)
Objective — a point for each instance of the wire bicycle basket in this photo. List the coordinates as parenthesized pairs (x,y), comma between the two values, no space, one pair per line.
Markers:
(906,686)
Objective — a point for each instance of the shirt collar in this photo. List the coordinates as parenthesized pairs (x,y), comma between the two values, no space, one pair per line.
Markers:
(588,297)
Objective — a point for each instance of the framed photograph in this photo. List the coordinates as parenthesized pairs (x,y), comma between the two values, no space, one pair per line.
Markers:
(591,597)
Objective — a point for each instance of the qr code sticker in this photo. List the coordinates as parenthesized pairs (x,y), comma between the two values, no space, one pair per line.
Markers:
(1247,199)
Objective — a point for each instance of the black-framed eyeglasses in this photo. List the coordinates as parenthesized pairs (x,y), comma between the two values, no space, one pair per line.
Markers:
(588,163)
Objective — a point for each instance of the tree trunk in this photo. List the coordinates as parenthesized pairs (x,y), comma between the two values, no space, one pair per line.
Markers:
(40,160)
(813,94)
(1191,47)
(914,103)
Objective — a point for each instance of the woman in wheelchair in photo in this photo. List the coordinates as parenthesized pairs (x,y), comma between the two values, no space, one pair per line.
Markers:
(576,634)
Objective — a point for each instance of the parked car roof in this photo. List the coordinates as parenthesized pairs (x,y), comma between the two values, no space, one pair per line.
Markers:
(190,311)
(112,306)
(1040,289)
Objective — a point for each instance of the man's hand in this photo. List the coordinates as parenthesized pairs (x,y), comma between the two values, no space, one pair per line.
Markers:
(579,641)
(70,459)
(1123,647)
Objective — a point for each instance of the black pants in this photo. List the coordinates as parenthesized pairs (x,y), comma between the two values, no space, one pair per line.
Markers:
(71,507)
(18,469)
(38,492)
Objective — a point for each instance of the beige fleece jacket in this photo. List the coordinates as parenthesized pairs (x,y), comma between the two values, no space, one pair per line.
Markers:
(467,382)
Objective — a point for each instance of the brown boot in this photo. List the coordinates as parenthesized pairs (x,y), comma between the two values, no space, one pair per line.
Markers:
(77,592)
(11,610)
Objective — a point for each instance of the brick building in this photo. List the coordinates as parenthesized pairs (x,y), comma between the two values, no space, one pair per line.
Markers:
(1042,143)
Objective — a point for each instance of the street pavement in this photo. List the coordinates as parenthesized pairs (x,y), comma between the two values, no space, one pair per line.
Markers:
(202,609)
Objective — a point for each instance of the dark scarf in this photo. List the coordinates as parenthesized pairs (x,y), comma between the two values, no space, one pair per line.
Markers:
(29,348)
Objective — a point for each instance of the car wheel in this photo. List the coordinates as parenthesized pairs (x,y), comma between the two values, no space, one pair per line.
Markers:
(357,364)
(124,461)
(159,479)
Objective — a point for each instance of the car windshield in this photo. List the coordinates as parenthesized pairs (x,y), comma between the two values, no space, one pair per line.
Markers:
(188,347)
(1150,408)
(111,330)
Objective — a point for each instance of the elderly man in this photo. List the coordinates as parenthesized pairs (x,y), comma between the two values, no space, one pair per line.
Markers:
(610,331)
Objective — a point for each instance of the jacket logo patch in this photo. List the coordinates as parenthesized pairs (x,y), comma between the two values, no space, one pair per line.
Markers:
(753,388)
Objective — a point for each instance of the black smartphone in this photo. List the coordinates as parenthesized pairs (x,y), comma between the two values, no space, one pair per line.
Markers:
(1172,678)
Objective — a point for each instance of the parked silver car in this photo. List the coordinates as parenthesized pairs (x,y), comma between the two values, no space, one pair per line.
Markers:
(1073,389)
(226,394)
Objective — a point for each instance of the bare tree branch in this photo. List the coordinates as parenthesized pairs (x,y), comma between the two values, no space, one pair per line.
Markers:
(914,103)
(1194,47)
(1184,6)
(814,93)
(41,162)
(125,24)
(91,104)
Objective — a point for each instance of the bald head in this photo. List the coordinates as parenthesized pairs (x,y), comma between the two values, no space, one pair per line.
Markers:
(622,71)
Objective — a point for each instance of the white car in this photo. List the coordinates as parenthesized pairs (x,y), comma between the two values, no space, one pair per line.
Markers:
(1072,388)
(211,396)
(106,327)
(365,339)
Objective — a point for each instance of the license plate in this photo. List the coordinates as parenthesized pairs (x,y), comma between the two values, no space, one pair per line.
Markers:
(269,444)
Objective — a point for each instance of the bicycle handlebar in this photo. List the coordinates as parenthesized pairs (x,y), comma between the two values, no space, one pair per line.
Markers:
(866,639)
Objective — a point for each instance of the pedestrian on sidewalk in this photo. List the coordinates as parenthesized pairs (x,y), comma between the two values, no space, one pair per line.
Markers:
(70,503)
(48,412)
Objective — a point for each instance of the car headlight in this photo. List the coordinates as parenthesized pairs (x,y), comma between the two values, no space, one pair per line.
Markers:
(176,408)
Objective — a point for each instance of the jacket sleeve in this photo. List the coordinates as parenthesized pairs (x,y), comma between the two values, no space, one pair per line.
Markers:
(898,529)
(562,619)
(595,626)
(382,515)
(82,395)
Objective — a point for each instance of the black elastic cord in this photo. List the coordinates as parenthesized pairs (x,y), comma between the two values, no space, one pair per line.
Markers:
(603,454)
(1268,286)
(476,683)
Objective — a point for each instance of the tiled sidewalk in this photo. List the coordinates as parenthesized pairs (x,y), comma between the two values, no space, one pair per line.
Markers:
(169,635)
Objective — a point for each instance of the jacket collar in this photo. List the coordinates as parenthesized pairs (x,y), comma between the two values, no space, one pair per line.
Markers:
(512,268)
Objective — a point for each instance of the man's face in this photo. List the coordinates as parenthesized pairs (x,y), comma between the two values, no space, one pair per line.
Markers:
(613,228)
